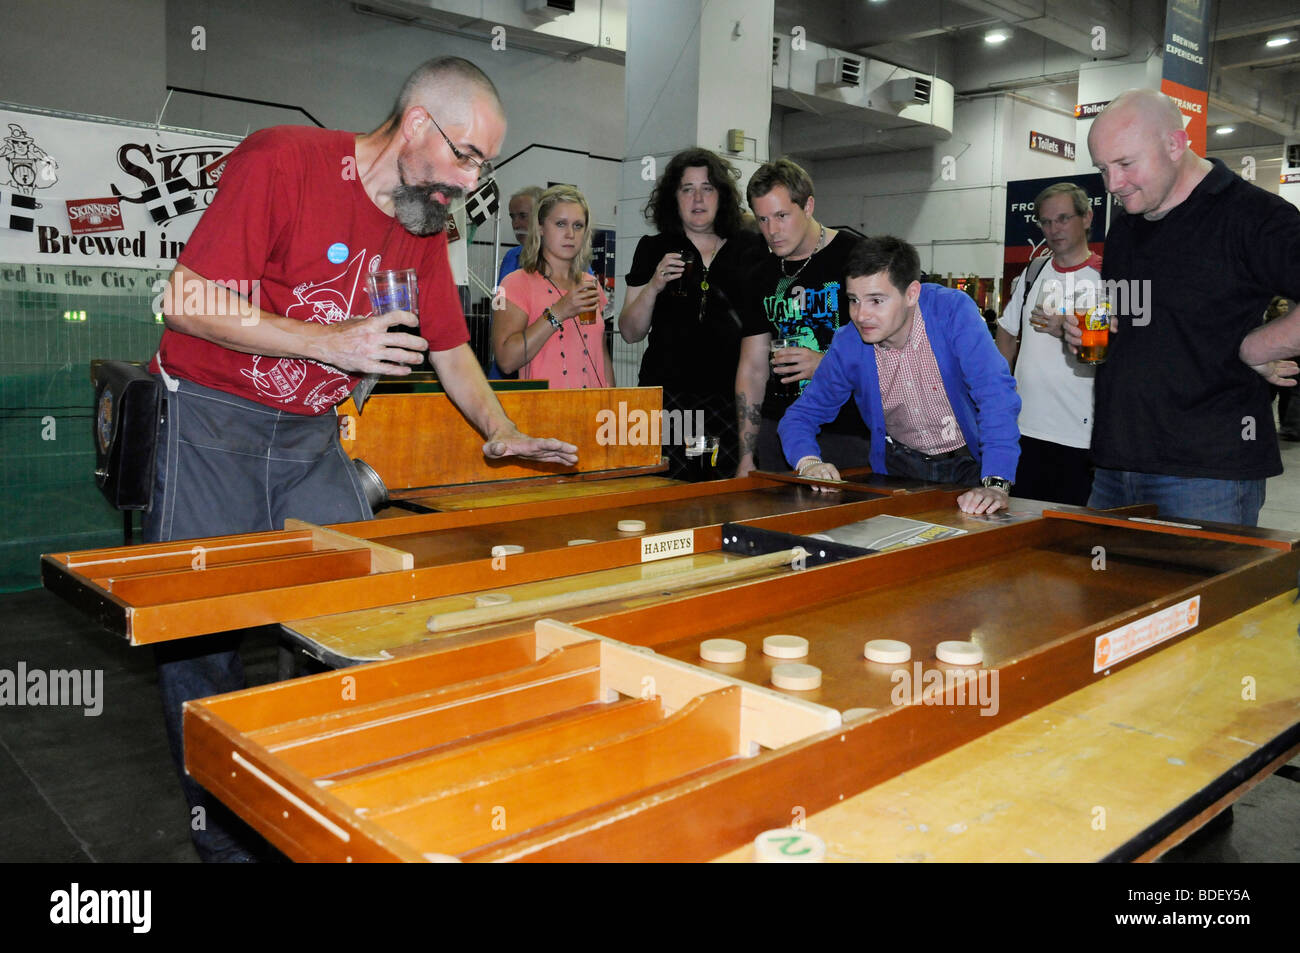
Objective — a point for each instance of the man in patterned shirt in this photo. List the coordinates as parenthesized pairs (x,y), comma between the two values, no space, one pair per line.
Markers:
(918,359)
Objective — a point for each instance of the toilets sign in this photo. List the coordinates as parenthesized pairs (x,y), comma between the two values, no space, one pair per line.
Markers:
(1042,142)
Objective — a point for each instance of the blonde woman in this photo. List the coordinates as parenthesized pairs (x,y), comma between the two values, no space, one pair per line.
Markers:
(538,327)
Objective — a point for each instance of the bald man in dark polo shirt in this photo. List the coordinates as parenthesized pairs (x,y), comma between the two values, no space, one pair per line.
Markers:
(1182,416)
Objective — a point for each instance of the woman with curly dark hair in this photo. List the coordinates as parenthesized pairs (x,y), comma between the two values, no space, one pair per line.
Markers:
(682,289)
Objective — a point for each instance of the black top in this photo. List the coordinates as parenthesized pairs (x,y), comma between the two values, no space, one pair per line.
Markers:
(807,303)
(692,350)
(1173,397)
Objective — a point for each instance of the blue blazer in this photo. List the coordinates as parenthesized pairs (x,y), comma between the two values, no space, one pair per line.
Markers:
(976,379)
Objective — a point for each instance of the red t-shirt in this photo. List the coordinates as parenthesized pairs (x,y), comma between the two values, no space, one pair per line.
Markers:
(291,214)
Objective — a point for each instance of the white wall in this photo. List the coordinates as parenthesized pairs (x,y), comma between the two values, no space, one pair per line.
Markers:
(103,58)
(951,221)
(956,223)
(343,68)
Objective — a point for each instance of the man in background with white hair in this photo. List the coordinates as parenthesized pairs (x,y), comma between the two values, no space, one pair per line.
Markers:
(1182,415)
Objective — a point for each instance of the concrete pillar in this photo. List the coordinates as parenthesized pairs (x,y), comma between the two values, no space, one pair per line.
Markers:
(695,69)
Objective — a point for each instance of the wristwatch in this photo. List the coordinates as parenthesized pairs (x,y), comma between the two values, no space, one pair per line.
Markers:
(549,316)
(997,481)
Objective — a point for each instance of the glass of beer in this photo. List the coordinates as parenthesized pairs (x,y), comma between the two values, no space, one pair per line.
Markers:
(393,291)
(778,388)
(1094,327)
(684,283)
(589,316)
(388,291)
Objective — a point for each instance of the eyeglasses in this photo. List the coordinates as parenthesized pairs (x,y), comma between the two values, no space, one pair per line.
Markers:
(1044,222)
(466,162)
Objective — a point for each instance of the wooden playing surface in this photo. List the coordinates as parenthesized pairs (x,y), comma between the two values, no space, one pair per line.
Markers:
(416,739)
(454,545)
(1080,778)
(162,591)
(1009,599)
(397,630)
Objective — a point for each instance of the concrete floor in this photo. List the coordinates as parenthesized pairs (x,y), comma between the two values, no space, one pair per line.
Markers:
(77,788)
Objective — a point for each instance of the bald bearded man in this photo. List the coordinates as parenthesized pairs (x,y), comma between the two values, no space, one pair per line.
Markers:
(1182,416)
(303,215)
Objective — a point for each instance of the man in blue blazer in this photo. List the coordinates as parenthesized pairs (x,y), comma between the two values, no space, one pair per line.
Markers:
(937,396)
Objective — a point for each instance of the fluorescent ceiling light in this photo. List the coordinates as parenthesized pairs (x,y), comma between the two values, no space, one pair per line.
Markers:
(1277,41)
(996,36)
(1224,130)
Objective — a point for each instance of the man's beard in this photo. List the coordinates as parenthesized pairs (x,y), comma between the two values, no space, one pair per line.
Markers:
(416,208)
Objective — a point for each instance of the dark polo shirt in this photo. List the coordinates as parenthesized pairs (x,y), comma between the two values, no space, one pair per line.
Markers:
(1173,397)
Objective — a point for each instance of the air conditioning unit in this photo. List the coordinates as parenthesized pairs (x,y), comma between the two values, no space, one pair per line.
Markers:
(548,9)
(840,72)
(911,91)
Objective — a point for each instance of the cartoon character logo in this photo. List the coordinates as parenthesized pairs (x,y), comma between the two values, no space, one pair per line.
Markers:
(26,165)
(324,302)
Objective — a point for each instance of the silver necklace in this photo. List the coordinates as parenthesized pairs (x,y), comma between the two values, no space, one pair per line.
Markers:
(821,237)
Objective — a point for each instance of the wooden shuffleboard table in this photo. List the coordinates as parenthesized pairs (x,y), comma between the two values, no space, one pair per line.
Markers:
(603,735)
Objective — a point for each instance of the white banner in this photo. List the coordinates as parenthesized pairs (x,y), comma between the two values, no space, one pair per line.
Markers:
(160,180)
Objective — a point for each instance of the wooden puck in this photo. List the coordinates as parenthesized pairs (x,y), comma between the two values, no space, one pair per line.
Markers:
(491,599)
(507,549)
(785,646)
(580,542)
(887,651)
(855,714)
(796,677)
(631,526)
(785,845)
(959,653)
(723,650)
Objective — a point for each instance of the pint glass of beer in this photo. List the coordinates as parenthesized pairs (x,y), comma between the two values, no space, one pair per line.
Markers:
(1094,326)
(684,283)
(780,389)
(589,316)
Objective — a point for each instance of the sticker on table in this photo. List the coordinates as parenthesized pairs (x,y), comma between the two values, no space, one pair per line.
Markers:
(1129,640)
(667,545)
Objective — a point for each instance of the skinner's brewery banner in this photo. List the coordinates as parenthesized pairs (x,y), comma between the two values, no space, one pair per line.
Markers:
(88,192)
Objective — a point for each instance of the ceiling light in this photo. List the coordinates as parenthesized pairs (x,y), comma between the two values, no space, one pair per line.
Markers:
(996,36)
(1277,41)
(1225,130)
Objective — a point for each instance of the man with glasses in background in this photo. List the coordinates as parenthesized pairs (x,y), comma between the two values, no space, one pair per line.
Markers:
(300,217)
(1055,389)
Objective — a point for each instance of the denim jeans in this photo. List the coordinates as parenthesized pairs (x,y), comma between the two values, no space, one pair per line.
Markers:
(1198,498)
(227,465)
(957,466)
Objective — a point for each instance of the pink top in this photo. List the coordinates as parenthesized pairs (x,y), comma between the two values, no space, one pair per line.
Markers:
(574,356)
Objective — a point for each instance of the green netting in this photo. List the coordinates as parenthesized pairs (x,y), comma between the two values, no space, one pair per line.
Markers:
(48,498)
